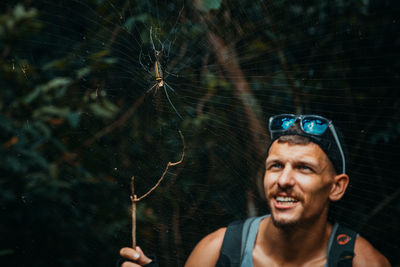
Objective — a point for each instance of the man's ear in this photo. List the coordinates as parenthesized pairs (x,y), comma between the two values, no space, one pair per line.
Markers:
(341,181)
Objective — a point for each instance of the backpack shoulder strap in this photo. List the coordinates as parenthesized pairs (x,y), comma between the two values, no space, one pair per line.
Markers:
(232,245)
(341,246)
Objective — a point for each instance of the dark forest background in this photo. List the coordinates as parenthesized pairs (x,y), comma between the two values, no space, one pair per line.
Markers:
(76,122)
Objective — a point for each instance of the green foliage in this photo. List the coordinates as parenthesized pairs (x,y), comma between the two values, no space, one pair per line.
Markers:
(14,24)
(208,5)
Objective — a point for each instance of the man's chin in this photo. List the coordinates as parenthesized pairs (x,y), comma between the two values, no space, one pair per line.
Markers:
(283,223)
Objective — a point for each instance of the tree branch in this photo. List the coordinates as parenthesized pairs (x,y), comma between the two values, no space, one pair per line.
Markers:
(227,58)
(166,170)
(135,199)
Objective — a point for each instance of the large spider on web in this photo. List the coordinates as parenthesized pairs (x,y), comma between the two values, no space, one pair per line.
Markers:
(158,71)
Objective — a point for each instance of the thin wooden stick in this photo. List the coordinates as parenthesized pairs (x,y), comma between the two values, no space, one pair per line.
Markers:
(166,170)
(135,199)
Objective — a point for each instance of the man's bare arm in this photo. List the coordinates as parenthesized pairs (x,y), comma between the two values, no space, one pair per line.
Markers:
(367,256)
(206,252)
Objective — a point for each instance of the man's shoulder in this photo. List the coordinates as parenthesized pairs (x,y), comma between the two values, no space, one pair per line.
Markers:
(367,255)
(207,251)
(215,238)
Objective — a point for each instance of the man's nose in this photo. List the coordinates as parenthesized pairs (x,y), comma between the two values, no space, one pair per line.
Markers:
(286,178)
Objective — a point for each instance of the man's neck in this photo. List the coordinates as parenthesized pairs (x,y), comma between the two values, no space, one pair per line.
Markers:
(297,244)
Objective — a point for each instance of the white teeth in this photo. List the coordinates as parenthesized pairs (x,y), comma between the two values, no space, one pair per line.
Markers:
(286,199)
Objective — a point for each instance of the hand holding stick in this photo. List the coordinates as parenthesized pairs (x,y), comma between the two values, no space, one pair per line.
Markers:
(135,199)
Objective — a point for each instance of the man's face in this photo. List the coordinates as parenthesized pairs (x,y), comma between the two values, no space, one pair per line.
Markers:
(297,183)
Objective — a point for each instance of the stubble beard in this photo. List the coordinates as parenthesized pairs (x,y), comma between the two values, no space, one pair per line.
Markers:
(294,224)
(284,225)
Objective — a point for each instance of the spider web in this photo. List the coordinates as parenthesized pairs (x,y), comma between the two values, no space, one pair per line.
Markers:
(230,68)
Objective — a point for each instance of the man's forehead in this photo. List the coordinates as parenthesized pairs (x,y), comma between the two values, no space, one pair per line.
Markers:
(310,151)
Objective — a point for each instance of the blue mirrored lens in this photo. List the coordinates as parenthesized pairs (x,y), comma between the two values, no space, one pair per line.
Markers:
(282,123)
(314,126)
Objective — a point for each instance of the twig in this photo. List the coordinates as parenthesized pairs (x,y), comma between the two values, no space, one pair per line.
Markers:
(135,199)
(209,93)
(166,170)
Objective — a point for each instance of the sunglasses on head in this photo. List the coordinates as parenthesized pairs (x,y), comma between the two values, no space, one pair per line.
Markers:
(313,125)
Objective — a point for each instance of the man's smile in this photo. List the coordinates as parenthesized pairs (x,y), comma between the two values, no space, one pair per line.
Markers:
(285,202)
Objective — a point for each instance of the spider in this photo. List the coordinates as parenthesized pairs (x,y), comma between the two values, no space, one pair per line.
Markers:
(159,72)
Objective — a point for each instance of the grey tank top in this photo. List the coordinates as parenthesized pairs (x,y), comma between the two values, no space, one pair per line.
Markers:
(249,239)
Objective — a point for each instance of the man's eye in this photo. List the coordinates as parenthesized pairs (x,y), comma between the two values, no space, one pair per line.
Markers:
(305,168)
(275,166)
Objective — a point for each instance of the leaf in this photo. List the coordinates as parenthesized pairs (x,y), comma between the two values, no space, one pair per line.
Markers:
(51,110)
(73,119)
(20,12)
(59,83)
(207,5)
(110,106)
(83,72)
(32,96)
(110,60)
(55,64)
(130,22)
(103,111)
(100,54)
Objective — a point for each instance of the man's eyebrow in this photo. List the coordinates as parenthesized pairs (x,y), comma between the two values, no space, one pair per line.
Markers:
(271,159)
(310,163)
(304,161)
(308,160)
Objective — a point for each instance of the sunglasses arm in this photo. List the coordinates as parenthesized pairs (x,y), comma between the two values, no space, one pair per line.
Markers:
(333,131)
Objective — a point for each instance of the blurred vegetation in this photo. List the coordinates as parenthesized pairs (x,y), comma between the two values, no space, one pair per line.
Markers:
(76,122)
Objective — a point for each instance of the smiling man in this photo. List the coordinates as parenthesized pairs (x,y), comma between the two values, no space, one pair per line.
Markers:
(305,171)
